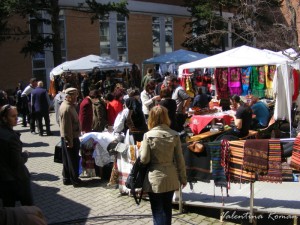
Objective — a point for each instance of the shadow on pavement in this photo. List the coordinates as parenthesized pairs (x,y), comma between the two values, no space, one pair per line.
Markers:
(35,144)
(56,207)
(39,154)
(239,200)
(43,177)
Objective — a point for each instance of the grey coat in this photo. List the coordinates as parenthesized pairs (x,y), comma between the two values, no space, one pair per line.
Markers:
(161,147)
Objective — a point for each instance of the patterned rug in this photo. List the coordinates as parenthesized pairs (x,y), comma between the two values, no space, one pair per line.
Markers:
(236,171)
(256,156)
(295,162)
(197,165)
(274,173)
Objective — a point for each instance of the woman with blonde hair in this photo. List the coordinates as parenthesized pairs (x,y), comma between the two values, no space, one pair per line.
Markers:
(161,149)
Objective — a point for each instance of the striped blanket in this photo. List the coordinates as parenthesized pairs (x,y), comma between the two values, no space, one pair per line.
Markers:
(274,173)
(218,174)
(295,161)
(236,171)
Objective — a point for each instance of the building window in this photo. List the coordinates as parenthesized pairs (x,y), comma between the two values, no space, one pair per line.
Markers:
(162,35)
(42,62)
(113,37)
(38,59)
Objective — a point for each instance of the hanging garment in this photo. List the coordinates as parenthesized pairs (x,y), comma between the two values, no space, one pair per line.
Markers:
(295,162)
(296,84)
(246,72)
(283,89)
(221,76)
(258,81)
(218,174)
(269,77)
(236,170)
(189,87)
(234,81)
(274,173)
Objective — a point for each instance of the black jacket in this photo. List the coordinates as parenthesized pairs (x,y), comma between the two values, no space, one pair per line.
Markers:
(12,160)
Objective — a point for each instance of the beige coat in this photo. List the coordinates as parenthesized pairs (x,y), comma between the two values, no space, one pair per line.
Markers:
(161,147)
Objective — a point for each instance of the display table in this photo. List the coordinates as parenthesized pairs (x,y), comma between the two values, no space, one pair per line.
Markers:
(199,122)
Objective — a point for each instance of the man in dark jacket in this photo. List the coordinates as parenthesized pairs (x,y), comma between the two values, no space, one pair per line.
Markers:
(40,104)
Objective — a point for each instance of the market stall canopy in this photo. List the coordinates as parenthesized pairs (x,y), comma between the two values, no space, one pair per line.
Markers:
(237,57)
(177,57)
(88,63)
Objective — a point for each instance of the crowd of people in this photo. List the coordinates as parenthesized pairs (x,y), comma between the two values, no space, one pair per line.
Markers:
(154,116)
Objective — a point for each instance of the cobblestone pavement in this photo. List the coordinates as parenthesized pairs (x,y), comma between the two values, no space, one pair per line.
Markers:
(93,204)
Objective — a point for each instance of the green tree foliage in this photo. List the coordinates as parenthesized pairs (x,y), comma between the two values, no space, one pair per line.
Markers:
(253,23)
(33,8)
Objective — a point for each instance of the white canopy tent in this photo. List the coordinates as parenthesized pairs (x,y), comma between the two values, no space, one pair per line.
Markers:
(88,63)
(247,56)
(237,57)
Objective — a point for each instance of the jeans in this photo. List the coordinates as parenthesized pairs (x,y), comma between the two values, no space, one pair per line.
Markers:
(161,206)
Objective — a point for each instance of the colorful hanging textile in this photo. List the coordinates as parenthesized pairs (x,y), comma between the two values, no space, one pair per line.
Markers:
(189,87)
(274,173)
(246,72)
(258,81)
(295,162)
(234,81)
(269,76)
(256,155)
(221,77)
(236,170)
(218,174)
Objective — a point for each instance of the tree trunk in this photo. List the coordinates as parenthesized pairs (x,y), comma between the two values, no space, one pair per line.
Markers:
(293,21)
(57,57)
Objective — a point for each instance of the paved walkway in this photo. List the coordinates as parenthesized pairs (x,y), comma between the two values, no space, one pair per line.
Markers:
(94,204)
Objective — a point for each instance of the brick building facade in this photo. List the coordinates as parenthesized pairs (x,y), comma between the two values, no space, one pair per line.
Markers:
(82,38)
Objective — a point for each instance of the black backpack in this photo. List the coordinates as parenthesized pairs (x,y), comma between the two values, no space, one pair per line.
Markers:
(136,179)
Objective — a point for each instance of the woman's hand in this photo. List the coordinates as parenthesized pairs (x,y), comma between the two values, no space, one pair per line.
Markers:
(183,185)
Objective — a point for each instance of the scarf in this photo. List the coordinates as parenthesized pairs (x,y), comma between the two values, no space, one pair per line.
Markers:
(218,174)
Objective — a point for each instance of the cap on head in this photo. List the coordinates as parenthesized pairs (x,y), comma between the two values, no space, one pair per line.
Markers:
(70,91)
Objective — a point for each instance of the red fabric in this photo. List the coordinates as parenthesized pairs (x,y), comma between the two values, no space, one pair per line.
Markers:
(113,109)
(86,115)
(296,84)
(198,122)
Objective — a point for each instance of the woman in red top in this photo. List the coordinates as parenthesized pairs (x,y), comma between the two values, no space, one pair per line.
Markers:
(115,106)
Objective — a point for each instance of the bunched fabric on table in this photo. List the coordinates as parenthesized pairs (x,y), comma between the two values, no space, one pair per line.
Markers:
(236,170)
(197,165)
(256,155)
(295,162)
(274,173)
(218,174)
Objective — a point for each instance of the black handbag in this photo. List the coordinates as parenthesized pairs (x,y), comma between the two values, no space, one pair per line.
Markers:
(136,178)
(58,153)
